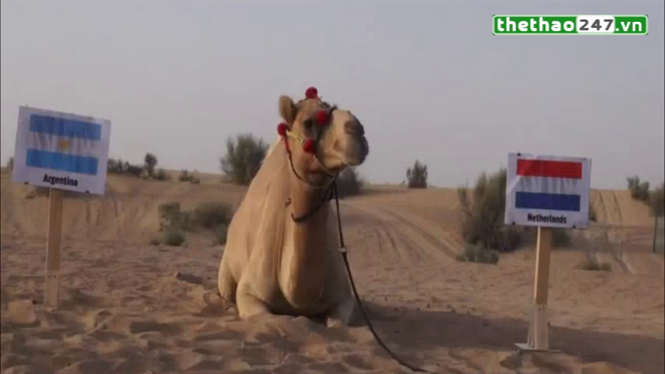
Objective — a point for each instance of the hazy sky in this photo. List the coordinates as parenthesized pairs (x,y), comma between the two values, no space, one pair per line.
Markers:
(428,80)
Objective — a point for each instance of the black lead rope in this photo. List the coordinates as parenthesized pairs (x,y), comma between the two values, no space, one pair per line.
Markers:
(355,292)
(326,197)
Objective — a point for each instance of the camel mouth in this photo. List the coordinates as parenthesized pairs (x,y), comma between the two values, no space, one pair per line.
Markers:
(357,155)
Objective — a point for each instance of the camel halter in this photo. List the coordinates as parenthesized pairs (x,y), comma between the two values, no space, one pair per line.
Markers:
(310,145)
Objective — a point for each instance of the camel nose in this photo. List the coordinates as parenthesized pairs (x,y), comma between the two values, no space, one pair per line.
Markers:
(354,128)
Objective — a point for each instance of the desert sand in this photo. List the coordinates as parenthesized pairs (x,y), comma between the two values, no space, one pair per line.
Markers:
(131,307)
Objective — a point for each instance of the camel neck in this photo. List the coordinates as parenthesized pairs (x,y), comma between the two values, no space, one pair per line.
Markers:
(306,200)
(308,261)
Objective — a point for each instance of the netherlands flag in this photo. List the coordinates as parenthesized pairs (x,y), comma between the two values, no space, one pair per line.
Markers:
(547,190)
(61,150)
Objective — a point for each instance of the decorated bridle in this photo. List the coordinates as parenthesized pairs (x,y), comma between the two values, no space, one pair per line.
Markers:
(309,145)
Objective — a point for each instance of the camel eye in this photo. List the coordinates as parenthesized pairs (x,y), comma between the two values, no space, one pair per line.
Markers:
(308,124)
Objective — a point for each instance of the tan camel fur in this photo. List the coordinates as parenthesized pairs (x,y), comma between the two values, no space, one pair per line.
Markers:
(273,265)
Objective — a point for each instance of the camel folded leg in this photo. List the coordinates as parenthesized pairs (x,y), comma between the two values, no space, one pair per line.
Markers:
(226,284)
(249,305)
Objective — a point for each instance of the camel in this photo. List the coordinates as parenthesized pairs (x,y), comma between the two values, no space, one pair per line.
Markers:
(282,253)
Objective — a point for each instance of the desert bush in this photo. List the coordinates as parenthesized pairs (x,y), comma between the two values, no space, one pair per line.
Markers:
(154,241)
(561,238)
(417,176)
(657,201)
(222,232)
(478,254)
(243,158)
(130,169)
(186,176)
(172,217)
(161,175)
(593,215)
(10,163)
(638,190)
(174,238)
(149,163)
(118,166)
(349,183)
(483,214)
(210,215)
(593,264)
(114,166)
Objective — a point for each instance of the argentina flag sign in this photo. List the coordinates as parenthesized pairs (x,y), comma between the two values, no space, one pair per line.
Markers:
(547,191)
(61,150)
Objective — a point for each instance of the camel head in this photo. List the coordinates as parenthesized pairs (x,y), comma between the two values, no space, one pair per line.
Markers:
(322,139)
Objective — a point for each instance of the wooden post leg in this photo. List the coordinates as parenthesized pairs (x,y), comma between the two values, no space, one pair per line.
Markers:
(538,338)
(542,265)
(53,243)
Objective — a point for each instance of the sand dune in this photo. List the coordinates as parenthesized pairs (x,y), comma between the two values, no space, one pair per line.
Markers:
(128,307)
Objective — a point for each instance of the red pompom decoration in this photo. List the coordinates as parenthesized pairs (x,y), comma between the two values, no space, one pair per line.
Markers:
(311,93)
(281,129)
(308,146)
(322,117)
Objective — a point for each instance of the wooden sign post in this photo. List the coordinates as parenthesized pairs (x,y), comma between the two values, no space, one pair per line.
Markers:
(62,152)
(538,338)
(546,192)
(53,243)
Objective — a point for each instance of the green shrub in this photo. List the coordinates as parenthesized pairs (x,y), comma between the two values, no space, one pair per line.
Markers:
(186,176)
(161,175)
(483,214)
(172,217)
(174,238)
(638,190)
(212,214)
(593,215)
(149,163)
(417,176)
(349,183)
(560,238)
(243,158)
(592,264)
(657,201)
(117,166)
(222,232)
(478,254)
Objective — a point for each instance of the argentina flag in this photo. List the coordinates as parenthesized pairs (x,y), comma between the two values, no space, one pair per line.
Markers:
(61,150)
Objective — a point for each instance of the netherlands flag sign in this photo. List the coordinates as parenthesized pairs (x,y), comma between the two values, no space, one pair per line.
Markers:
(547,191)
(61,150)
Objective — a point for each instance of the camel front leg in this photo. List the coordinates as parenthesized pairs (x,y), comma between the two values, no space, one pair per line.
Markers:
(340,314)
(249,305)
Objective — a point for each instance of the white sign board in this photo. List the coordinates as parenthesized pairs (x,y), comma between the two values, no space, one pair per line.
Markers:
(61,150)
(547,191)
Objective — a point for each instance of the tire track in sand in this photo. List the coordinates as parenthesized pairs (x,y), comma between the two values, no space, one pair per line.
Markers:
(443,243)
(416,243)
(618,207)
(397,249)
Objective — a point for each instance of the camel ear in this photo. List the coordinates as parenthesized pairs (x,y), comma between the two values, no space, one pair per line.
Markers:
(287,109)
